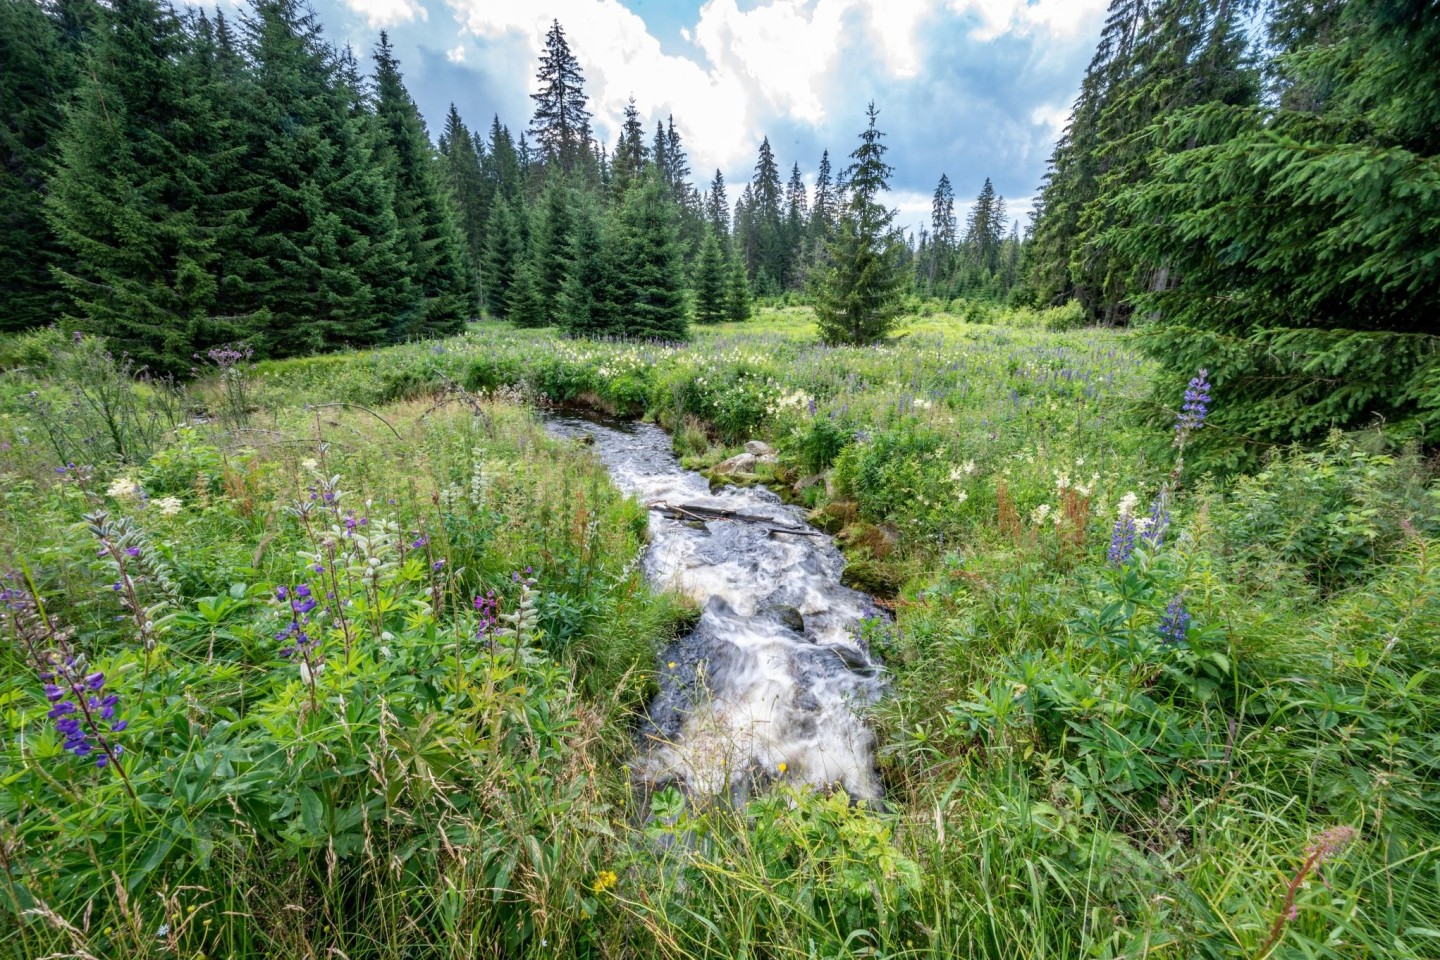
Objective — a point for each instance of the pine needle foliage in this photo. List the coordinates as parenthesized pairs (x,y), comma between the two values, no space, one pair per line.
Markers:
(1302,244)
(857,288)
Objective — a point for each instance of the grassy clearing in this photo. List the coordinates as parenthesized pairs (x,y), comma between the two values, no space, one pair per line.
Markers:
(1072,769)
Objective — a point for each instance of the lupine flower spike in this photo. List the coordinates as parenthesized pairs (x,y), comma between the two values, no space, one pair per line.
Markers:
(1176,622)
(1197,405)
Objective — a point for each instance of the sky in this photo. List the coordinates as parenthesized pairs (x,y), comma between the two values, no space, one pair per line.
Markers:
(970,88)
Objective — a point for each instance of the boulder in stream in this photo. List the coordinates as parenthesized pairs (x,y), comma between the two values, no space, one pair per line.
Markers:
(740,463)
(789,617)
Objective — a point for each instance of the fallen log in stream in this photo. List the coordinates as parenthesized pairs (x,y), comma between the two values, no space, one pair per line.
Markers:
(695,511)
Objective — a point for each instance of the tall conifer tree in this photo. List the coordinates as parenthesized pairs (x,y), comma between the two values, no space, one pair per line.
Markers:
(134,197)
(37,72)
(561,125)
(328,260)
(711,282)
(857,293)
(717,207)
(433,245)
(648,259)
(467,184)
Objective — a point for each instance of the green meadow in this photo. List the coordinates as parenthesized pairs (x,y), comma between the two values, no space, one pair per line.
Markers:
(361,654)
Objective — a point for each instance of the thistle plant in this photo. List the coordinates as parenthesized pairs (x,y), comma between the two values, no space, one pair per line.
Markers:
(232,361)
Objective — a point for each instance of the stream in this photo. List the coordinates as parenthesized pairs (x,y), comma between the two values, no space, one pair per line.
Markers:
(771,681)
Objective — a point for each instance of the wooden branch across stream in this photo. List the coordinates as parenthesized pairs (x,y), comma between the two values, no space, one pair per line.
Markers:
(695,511)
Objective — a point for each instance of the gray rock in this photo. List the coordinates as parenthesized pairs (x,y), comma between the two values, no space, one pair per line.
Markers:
(740,463)
(759,448)
(789,617)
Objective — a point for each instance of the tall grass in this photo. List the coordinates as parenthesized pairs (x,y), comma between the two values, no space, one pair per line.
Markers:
(1072,768)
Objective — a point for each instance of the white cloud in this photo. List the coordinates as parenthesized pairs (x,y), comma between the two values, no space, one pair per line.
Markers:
(1052,117)
(456,54)
(387,13)
(780,57)
(620,58)
(1060,18)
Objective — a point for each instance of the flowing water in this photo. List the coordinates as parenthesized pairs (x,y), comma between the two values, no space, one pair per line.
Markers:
(773,673)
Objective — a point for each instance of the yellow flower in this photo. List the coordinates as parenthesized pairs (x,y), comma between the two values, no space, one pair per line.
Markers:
(671,664)
(783,766)
(604,880)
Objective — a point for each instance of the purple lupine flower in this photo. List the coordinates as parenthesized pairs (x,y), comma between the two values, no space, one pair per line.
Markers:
(84,714)
(1176,622)
(1122,540)
(1154,535)
(1197,404)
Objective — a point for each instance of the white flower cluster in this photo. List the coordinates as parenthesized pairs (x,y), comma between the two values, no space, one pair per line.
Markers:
(125,488)
(169,506)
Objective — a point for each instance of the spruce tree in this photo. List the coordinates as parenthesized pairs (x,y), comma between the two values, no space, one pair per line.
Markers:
(561,125)
(711,282)
(433,245)
(501,168)
(552,241)
(766,234)
(467,184)
(938,262)
(649,264)
(737,292)
(797,216)
(37,72)
(985,230)
(328,263)
(525,306)
(717,207)
(627,164)
(823,213)
(135,197)
(590,302)
(857,292)
(1293,248)
(504,250)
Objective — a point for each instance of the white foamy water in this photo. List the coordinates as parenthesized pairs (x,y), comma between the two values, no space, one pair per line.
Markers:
(748,692)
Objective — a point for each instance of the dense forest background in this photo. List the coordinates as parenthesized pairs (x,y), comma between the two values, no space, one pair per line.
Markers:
(1254,184)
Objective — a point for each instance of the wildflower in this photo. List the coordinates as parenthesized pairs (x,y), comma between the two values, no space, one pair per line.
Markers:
(124,488)
(1122,538)
(604,880)
(1176,622)
(782,766)
(169,506)
(1197,404)
(310,463)
(84,714)
(1329,843)
(1153,534)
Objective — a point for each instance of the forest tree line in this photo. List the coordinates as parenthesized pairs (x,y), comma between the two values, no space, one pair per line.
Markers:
(1255,186)
(173,182)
